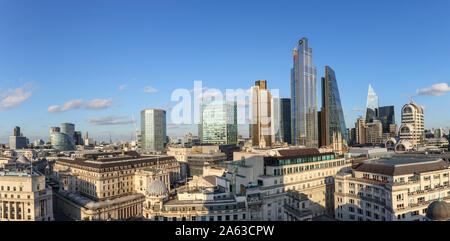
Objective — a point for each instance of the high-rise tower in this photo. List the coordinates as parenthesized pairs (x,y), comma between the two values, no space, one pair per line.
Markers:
(304,97)
(332,116)
(372,105)
(260,99)
(153,130)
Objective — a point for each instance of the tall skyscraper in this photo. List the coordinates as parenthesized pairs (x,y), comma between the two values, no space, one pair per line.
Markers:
(16,131)
(261,116)
(304,97)
(153,130)
(276,119)
(218,122)
(281,120)
(332,117)
(412,132)
(372,105)
(285,120)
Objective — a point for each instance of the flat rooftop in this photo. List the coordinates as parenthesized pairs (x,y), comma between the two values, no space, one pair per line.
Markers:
(402,165)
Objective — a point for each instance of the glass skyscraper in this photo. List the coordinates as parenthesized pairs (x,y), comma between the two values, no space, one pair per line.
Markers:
(285,120)
(218,123)
(372,105)
(153,130)
(304,97)
(68,129)
(61,141)
(332,116)
(386,116)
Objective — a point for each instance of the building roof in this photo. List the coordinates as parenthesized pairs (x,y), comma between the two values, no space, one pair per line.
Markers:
(157,188)
(438,210)
(402,166)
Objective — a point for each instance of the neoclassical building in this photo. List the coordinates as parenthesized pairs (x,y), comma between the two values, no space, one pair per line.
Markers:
(24,196)
(109,186)
(192,205)
(396,189)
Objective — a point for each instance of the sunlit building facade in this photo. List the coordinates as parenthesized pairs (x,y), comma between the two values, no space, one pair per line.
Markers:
(372,105)
(332,116)
(153,130)
(218,122)
(304,98)
(61,141)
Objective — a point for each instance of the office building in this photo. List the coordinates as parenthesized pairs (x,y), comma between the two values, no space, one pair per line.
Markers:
(218,123)
(102,186)
(412,132)
(332,121)
(304,121)
(24,196)
(153,130)
(261,114)
(78,140)
(275,122)
(372,105)
(61,141)
(396,189)
(285,120)
(386,116)
(17,131)
(68,129)
(265,178)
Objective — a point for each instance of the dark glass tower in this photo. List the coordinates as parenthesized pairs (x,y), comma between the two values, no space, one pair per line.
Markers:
(304,97)
(332,116)
(285,120)
(386,116)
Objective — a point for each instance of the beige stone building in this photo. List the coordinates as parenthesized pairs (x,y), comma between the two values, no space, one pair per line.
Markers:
(193,205)
(261,114)
(264,180)
(396,189)
(103,185)
(412,132)
(24,196)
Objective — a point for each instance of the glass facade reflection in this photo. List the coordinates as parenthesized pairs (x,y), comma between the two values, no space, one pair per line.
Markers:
(153,130)
(61,141)
(218,123)
(68,129)
(304,97)
(372,105)
(386,116)
(332,120)
(285,119)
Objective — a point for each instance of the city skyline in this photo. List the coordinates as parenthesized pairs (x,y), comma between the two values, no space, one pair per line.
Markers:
(69,73)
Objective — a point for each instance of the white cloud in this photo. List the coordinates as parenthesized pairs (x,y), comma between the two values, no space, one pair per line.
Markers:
(70,105)
(110,120)
(122,87)
(148,89)
(14,97)
(98,104)
(358,109)
(95,104)
(434,90)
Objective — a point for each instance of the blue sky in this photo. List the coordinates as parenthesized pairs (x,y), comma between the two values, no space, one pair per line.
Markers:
(81,52)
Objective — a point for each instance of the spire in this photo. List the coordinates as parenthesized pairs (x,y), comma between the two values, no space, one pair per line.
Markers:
(372,98)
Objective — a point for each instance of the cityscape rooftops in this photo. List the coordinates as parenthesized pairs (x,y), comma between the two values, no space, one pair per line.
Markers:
(402,166)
